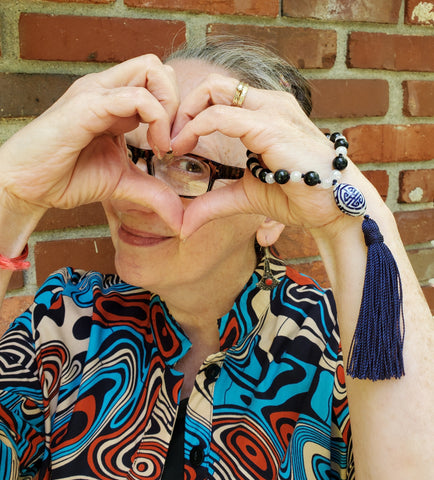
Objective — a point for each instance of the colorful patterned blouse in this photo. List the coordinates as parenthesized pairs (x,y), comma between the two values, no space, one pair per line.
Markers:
(89,387)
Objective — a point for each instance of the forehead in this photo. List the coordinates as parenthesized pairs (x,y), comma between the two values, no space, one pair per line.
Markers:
(191,72)
(216,146)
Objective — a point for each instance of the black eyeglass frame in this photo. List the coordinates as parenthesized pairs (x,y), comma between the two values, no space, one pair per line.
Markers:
(218,171)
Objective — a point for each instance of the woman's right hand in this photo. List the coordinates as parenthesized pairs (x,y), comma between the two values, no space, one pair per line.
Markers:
(75,153)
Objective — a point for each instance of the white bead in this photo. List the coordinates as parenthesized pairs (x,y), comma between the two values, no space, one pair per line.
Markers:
(341,150)
(269,177)
(327,183)
(336,175)
(295,176)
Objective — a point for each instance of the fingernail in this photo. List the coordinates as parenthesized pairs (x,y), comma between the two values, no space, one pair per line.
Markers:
(157,152)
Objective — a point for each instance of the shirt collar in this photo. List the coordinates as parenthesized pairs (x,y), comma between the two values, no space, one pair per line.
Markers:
(233,327)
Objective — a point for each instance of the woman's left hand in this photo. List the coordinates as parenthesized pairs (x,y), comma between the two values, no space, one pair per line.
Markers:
(271,124)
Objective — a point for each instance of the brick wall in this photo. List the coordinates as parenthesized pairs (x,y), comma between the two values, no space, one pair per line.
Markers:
(371,63)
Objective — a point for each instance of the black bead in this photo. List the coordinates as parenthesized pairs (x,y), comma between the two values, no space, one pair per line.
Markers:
(281,176)
(341,142)
(263,174)
(311,178)
(251,162)
(340,162)
(334,136)
(256,170)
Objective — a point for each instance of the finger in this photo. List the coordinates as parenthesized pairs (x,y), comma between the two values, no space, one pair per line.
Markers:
(88,115)
(223,202)
(250,127)
(220,90)
(142,189)
(149,72)
(215,90)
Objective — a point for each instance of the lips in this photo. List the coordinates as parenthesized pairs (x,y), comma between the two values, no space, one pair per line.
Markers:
(140,238)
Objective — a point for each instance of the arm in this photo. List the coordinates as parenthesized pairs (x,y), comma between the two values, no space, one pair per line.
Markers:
(392,420)
(75,152)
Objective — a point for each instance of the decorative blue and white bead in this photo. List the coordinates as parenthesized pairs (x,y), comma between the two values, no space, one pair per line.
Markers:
(349,199)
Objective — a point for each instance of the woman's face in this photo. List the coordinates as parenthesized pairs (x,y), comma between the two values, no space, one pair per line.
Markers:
(148,254)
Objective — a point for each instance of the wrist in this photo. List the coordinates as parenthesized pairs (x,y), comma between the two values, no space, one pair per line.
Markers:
(17,223)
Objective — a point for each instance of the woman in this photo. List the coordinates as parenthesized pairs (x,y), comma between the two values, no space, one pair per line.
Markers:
(97,374)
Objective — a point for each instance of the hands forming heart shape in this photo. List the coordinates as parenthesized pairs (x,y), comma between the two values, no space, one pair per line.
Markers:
(75,153)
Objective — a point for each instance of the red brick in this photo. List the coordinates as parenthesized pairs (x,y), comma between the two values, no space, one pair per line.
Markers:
(380,180)
(429,295)
(86,253)
(378,11)
(418,98)
(391,143)
(416,227)
(295,242)
(81,1)
(85,215)
(95,39)
(11,308)
(419,12)
(24,95)
(416,186)
(422,261)
(390,52)
(303,47)
(269,8)
(16,281)
(349,98)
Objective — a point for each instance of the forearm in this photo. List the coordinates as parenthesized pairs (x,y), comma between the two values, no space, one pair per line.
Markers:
(392,420)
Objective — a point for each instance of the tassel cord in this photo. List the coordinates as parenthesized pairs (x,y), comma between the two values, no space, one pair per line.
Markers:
(376,349)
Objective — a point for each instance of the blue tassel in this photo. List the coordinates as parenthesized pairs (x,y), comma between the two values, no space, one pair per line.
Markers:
(376,349)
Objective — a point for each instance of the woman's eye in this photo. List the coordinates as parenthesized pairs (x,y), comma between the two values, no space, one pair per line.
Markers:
(191,165)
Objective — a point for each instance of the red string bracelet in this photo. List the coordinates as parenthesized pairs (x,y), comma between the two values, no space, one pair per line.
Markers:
(17,263)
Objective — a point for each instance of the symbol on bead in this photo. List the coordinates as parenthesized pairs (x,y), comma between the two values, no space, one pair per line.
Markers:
(349,199)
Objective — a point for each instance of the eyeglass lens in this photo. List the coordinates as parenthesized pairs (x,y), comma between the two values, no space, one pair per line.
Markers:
(188,176)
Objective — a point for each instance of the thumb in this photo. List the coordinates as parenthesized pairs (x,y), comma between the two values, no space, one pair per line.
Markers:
(145,190)
(223,202)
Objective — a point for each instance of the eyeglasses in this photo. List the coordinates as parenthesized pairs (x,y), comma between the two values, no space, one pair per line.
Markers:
(189,175)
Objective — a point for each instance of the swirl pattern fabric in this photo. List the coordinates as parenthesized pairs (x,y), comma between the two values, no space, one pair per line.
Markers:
(89,387)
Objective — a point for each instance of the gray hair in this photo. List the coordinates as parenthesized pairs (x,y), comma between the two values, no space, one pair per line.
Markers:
(252,63)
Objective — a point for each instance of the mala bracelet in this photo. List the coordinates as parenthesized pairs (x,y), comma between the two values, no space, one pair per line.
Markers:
(348,198)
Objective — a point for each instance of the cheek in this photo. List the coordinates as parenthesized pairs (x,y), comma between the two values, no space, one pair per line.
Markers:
(112,219)
(229,233)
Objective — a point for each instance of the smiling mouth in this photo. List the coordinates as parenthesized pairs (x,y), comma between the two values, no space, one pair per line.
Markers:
(139,238)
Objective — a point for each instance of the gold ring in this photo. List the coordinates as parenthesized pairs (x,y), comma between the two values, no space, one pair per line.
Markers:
(240,94)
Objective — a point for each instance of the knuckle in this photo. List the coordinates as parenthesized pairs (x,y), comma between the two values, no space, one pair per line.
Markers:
(82,83)
(219,111)
(169,69)
(214,79)
(152,60)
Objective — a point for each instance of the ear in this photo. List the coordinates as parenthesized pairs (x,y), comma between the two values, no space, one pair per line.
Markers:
(268,232)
